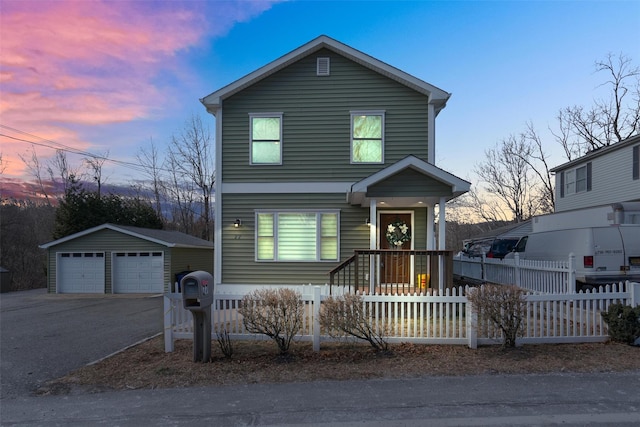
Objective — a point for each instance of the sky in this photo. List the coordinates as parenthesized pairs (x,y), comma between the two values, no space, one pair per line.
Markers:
(107,77)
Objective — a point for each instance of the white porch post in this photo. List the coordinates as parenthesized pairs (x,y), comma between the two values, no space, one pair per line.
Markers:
(373,218)
(431,239)
(373,238)
(442,241)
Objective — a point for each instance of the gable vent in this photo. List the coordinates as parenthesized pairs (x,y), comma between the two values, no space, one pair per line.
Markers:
(323,68)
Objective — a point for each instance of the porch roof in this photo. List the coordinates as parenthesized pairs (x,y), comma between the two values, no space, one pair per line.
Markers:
(411,182)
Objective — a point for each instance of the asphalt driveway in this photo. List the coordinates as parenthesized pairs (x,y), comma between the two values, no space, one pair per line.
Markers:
(45,336)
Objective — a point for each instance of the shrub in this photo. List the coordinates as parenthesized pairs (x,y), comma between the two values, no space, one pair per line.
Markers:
(276,313)
(224,342)
(504,306)
(348,315)
(623,322)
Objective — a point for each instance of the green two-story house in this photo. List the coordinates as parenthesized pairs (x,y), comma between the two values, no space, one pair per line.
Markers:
(321,153)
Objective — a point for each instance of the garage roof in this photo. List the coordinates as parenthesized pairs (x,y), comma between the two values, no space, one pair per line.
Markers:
(170,239)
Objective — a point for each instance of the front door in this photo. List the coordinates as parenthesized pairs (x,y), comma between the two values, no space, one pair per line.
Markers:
(395,233)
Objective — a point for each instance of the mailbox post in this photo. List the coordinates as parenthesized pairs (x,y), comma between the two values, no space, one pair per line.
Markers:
(197,297)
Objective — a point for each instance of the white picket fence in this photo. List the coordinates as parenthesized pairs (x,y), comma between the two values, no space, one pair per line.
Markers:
(535,276)
(426,319)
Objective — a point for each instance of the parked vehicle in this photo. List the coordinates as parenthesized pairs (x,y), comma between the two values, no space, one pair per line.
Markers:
(501,247)
(603,255)
(477,248)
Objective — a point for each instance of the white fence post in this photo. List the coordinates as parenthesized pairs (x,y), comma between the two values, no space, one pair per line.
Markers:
(571,277)
(634,291)
(168,325)
(472,321)
(317,299)
(516,271)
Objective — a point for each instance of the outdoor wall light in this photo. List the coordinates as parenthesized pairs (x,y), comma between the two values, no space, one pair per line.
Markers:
(368,222)
(237,223)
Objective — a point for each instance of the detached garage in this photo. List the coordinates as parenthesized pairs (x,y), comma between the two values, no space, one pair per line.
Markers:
(123,259)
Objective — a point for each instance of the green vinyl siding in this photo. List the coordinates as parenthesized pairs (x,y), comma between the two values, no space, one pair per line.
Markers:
(409,183)
(238,254)
(189,259)
(316,121)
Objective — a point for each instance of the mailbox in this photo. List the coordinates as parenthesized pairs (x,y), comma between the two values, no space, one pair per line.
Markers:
(197,297)
(197,290)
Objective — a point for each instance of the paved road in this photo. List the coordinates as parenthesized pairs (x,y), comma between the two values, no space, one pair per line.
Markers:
(45,336)
(489,400)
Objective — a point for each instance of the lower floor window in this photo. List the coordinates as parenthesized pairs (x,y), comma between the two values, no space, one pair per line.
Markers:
(297,236)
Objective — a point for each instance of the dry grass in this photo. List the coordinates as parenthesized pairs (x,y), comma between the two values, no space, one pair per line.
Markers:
(148,366)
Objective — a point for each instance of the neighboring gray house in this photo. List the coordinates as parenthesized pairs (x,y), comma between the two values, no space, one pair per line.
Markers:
(604,176)
(123,259)
(318,154)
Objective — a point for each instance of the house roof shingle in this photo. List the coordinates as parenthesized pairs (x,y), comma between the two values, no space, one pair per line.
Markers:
(171,239)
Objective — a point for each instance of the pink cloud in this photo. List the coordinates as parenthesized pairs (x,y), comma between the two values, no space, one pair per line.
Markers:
(93,62)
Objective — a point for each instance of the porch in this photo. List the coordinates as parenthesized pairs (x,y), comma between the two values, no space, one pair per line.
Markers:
(394,272)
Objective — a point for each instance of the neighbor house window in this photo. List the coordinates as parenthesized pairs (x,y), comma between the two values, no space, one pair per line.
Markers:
(266,138)
(576,180)
(636,162)
(297,236)
(367,137)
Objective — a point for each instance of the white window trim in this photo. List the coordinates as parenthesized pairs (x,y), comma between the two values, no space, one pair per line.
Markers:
(276,212)
(571,187)
(366,113)
(258,115)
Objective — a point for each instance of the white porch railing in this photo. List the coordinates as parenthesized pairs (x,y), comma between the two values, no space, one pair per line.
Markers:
(535,276)
(426,319)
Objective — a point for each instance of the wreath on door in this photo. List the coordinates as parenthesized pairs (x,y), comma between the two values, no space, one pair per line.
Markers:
(398,233)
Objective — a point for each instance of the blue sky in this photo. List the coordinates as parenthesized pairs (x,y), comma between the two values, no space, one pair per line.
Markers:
(505,63)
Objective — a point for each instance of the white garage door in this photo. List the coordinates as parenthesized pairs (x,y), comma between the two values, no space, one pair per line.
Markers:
(138,272)
(81,272)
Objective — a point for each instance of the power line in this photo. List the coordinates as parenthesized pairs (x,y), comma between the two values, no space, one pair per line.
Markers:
(65,148)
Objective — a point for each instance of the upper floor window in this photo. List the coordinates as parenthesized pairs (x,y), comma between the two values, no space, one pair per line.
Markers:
(297,236)
(367,137)
(636,162)
(576,180)
(266,138)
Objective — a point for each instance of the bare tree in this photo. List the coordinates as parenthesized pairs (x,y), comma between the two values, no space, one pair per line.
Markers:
(181,195)
(516,173)
(61,172)
(152,165)
(608,120)
(3,164)
(94,165)
(508,177)
(35,168)
(531,151)
(191,155)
